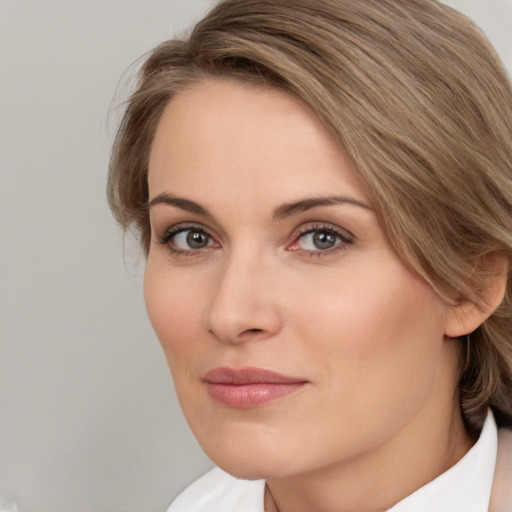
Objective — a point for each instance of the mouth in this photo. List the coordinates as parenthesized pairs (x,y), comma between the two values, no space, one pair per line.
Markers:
(247,388)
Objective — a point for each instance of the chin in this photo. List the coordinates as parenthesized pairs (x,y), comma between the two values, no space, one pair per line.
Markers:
(244,472)
(248,469)
(251,456)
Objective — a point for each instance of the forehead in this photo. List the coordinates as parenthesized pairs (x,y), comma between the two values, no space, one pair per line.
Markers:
(223,135)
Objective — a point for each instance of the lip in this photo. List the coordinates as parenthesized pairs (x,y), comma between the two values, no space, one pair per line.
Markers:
(246,388)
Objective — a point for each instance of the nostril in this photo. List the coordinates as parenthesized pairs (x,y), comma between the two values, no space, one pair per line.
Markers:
(251,331)
(243,334)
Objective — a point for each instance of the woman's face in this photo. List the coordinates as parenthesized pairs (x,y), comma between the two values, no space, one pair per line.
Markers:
(296,337)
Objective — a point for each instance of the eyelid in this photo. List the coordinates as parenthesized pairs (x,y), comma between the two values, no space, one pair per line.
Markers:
(346,237)
(169,232)
(166,237)
(309,227)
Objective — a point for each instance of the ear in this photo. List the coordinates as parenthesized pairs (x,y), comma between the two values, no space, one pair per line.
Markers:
(464,317)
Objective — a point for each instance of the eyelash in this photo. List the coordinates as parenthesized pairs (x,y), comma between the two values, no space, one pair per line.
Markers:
(168,235)
(345,238)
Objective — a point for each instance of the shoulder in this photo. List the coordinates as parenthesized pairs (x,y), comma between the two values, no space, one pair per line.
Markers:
(219,491)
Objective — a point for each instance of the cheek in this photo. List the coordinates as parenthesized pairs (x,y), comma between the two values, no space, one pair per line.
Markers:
(374,344)
(371,321)
(175,309)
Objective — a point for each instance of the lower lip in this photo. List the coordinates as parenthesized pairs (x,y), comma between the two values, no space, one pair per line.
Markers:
(247,396)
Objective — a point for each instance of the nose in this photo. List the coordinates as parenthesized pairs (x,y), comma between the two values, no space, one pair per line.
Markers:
(243,304)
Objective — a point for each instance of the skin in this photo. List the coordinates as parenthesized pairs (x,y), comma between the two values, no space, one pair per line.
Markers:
(379,416)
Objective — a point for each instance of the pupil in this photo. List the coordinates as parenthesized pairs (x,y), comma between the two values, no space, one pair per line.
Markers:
(323,240)
(197,240)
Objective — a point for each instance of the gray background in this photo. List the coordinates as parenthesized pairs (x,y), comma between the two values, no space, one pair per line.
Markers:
(88,418)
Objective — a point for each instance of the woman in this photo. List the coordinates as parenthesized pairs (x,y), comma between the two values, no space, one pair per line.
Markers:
(323,190)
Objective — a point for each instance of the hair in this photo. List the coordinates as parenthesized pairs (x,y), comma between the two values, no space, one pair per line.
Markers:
(421,104)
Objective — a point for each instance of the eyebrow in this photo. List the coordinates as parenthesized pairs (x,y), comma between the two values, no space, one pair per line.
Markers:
(280,213)
(290,209)
(180,202)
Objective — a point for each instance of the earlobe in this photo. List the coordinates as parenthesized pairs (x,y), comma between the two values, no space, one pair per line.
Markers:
(465,317)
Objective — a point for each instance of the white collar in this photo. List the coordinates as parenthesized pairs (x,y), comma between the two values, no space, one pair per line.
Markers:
(465,487)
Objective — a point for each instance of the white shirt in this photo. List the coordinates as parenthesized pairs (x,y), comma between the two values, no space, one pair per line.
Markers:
(465,487)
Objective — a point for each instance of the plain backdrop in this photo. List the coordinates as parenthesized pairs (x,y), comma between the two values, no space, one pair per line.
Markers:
(88,417)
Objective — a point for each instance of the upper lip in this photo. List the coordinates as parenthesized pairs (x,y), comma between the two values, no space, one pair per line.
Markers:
(248,375)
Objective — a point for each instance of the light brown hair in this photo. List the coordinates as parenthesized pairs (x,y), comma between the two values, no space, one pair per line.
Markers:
(421,104)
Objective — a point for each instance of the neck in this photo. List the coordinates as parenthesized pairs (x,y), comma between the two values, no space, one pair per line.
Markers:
(422,450)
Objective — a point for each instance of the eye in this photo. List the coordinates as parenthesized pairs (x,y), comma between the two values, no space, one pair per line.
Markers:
(186,240)
(320,240)
(191,239)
